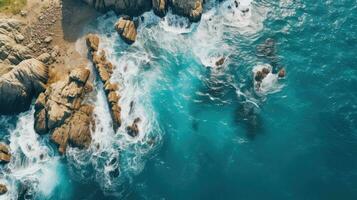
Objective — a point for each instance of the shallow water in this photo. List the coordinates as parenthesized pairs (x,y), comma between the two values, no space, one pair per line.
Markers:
(206,132)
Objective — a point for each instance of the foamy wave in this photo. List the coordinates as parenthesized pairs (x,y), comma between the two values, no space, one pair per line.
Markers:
(176,24)
(33,164)
(270,83)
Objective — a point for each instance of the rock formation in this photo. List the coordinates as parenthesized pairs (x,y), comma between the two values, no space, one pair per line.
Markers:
(133,130)
(127,7)
(3,189)
(5,155)
(188,8)
(126,29)
(59,110)
(160,7)
(21,84)
(12,52)
(105,70)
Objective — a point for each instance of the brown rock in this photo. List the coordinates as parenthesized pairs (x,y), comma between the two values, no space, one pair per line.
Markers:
(188,8)
(5,155)
(126,29)
(259,76)
(160,7)
(92,42)
(220,61)
(3,189)
(133,130)
(282,73)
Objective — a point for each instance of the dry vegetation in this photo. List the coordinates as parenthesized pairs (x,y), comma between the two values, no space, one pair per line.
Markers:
(12,6)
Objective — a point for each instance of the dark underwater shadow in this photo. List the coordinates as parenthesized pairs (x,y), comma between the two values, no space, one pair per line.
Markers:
(75,16)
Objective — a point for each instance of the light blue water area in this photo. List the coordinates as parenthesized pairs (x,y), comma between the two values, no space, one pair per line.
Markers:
(216,136)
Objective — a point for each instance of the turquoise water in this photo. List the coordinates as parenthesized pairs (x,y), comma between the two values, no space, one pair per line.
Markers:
(206,132)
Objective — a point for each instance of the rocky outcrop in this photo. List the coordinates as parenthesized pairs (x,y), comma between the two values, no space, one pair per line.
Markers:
(59,110)
(3,189)
(133,129)
(126,29)
(188,8)
(12,52)
(5,155)
(21,84)
(160,7)
(105,70)
(127,7)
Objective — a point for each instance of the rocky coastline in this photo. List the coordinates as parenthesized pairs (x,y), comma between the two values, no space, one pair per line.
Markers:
(40,66)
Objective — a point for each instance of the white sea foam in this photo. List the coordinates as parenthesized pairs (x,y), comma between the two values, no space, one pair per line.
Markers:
(32,161)
(176,24)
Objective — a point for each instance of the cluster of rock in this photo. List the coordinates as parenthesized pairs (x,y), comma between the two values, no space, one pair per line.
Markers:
(19,85)
(105,70)
(5,157)
(188,8)
(61,112)
(126,28)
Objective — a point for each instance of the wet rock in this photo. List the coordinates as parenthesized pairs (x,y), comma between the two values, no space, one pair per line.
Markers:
(133,130)
(220,61)
(5,155)
(3,189)
(282,73)
(92,42)
(59,110)
(126,29)
(104,69)
(259,76)
(21,84)
(188,8)
(160,7)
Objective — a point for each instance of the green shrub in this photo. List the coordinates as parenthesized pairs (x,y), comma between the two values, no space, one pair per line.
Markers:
(12,6)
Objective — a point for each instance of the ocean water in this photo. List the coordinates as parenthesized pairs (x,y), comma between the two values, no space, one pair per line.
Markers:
(207,132)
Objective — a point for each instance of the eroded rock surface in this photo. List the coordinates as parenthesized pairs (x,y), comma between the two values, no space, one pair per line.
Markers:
(59,110)
(105,70)
(19,85)
(188,8)
(128,7)
(3,189)
(160,7)
(5,155)
(126,29)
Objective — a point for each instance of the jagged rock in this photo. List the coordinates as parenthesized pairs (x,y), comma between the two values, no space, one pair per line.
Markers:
(220,61)
(188,8)
(105,70)
(92,42)
(5,155)
(59,110)
(45,57)
(10,36)
(128,7)
(282,73)
(21,84)
(126,29)
(48,39)
(160,7)
(3,189)
(133,130)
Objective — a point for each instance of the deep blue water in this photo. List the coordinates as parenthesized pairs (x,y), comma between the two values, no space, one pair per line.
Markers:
(296,141)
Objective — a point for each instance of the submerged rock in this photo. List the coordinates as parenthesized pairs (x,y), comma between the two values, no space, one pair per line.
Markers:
(126,29)
(220,61)
(133,130)
(59,110)
(105,70)
(282,73)
(3,189)
(21,84)
(5,155)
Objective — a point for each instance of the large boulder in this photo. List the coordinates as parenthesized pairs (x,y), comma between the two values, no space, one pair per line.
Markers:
(5,155)
(128,7)
(126,29)
(21,84)
(188,8)
(59,110)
